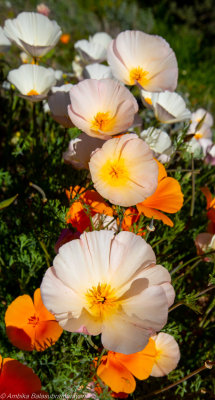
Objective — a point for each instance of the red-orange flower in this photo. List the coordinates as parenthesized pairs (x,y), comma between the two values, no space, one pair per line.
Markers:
(88,204)
(210,203)
(30,326)
(16,378)
(167,197)
(118,370)
(65,38)
(131,222)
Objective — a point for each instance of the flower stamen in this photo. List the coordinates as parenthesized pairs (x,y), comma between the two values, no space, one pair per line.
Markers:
(33,320)
(139,75)
(102,122)
(32,92)
(101,300)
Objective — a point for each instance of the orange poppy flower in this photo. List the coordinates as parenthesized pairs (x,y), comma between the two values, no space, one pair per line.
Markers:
(16,378)
(210,203)
(65,38)
(88,204)
(167,197)
(30,326)
(118,370)
(131,222)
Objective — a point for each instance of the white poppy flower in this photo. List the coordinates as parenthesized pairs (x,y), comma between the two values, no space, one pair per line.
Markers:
(34,33)
(80,149)
(158,140)
(102,283)
(167,354)
(124,171)
(146,98)
(58,74)
(58,103)
(25,58)
(147,60)
(94,49)
(169,107)
(33,81)
(212,151)
(77,67)
(194,147)
(212,243)
(4,41)
(102,108)
(97,71)
(200,130)
(202,115)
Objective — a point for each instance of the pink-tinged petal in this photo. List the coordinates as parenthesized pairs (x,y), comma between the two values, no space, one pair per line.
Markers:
(155,274)
(58,297)
(77,259)
(168,354)
(150,54)
(84,324)
(106,96)
(80,149)
(119,69)
(124,334)
(150,306)
(169,292)
(124,170)
(131,253)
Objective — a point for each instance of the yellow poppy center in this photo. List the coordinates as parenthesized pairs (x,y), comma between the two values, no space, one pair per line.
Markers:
(101,300)
(34,320)
(198,136)
(115,172)
(139,75)
(103,122)
(148,100)
(32,93)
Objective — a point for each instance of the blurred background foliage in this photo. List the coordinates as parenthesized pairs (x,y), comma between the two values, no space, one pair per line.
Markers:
(31,152)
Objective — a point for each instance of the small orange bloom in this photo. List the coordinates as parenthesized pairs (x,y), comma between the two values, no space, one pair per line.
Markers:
(16,378)
(167,197)
(65,38)
(118,370)
(210,204)
(30,326)
(88,204)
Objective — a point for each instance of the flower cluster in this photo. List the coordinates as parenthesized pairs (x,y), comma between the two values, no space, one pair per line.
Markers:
(104,279)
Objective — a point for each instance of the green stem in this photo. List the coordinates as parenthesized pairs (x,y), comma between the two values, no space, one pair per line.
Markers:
(208,365)
(193,189)
(180,303)
(89,340)
(200,258)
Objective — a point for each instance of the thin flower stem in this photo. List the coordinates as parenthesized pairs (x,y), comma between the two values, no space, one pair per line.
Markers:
(180,303)
(158,242)
(180,266)
(205,291)
(193,189)
(188,270)
(41,191)
(197,171)
(89,340)
(47,256)
(100,357)
(208,365)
